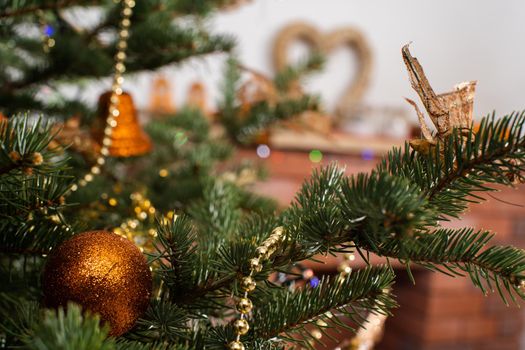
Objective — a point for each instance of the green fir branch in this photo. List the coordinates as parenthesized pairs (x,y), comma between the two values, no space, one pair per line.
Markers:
(285,314)
(464,163)
(71,329)
(292,73)
(454,252)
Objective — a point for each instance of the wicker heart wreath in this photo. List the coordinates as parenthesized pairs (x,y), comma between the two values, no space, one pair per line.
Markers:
(349,37)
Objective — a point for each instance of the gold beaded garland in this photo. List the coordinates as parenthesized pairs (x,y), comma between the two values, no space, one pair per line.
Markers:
(247,285)
(116,91)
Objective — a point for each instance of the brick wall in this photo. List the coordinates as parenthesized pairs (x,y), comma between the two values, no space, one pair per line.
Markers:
(440,312)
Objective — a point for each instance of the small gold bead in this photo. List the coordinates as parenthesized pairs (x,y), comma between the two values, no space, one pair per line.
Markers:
(270,242)
(122,45)
(95,170)
(235,345)
(127,12)
(247,284)
(241,326)
(349,256)
(277,237)
(244,306)
(317,334)
(255,264)
(262,251)
(321,323)
(126,22)
(277,232)
(344,269)
(120,79)
(120,67)
(121,55)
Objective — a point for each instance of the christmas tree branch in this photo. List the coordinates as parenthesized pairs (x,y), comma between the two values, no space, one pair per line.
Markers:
(453,252)
(379,206)
(314,221)
(463,163)
(244,122)
(32,191)
(176,255)
(71,329)
(283,315)
(163,322)
(19,8)
(288,313)
(284,79)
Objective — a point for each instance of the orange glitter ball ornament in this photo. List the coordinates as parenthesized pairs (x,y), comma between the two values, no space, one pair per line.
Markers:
(128,139)
(104,273)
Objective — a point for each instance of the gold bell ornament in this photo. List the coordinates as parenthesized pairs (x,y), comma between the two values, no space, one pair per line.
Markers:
(128,139)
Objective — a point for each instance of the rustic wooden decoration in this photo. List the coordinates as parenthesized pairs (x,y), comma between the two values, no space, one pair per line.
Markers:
(447,111)
(325,43)
(161,101)
(197,97)
(255,89)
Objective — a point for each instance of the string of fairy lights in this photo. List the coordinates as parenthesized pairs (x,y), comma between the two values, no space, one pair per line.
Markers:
(116,92)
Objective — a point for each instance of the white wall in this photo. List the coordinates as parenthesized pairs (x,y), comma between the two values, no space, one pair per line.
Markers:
(454,40)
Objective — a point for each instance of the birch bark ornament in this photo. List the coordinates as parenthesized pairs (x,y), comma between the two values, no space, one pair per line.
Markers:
(447,111)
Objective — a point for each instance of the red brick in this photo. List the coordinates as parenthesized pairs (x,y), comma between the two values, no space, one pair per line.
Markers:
(447,346)
(437,283)
(466,304)
(499,344)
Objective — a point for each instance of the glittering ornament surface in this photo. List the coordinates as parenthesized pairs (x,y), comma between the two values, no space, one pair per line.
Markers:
(103,272)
